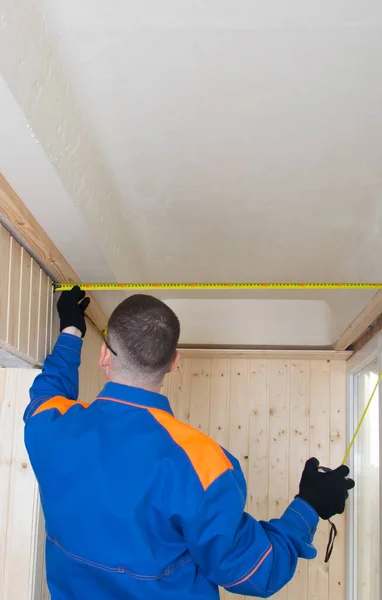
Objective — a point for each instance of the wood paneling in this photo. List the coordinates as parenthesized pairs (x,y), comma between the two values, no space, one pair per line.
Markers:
(19,504)
(299,396)
(5,243)
(238,440)
(180,382)
(258,421)
(31,232)
(25,299)
(272,414)
(200,369)
(219,401)
(337,428)
(92,379)
(22,537)
(319,443)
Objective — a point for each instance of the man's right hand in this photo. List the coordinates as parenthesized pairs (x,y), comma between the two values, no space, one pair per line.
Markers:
(71,309)
(327,491)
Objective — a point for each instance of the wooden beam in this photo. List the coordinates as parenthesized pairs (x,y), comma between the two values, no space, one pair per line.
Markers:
(369,334)
(265,354)
(360,324)
(29,230)
(266,347)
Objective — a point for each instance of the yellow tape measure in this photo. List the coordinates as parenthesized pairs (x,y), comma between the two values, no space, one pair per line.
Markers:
(362,419)
(61,287)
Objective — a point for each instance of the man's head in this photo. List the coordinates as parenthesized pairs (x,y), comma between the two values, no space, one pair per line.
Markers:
(142,337)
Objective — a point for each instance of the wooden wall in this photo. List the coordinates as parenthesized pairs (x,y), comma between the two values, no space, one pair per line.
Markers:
(273,415)
(92,379)
(25,302)
(29,326)
(19,501)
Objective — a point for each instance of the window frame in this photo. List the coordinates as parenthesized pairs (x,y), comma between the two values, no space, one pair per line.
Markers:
(366,356)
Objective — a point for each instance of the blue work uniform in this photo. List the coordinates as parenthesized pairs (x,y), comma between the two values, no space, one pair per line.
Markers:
(139,506)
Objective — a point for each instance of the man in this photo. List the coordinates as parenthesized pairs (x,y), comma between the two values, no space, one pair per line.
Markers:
(137,505)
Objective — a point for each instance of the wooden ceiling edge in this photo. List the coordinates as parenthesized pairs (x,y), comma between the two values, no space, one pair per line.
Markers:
(24,358)
(361,323)
(373,330)
(35,237)
(263,353)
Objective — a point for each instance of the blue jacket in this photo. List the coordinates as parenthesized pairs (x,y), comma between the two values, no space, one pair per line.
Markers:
(139,506)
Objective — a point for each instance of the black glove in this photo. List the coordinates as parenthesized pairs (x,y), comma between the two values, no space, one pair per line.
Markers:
(326,492)
(71,309)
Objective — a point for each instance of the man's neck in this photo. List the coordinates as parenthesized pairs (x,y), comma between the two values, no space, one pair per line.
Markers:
(154,387)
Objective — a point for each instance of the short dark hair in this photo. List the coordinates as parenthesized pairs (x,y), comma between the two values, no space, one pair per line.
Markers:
(145,332)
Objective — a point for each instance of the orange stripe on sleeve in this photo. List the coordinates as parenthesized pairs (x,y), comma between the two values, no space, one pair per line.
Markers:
(256,567)
(207,458)
(60,403)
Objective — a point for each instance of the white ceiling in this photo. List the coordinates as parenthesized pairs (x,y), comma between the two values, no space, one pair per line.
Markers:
(228,140)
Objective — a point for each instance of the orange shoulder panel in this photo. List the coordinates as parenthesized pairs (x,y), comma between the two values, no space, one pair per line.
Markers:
(206,456)
(60,403)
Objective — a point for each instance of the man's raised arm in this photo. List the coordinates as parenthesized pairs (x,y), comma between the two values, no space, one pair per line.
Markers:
(59,377)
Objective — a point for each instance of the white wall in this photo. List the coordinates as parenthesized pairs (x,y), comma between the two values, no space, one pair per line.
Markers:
(254,322)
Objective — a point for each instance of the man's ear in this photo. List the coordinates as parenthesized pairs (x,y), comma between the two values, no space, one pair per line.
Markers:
(104,358)
(175,362)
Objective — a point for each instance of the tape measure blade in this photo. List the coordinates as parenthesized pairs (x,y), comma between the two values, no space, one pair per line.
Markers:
(60,287)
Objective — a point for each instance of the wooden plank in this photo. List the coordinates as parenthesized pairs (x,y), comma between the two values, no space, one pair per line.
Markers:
(24,305)
(319,447)
(337,421)
(360,324)
(14,357)
(238,412)
(200,394)
(298,455)
(5,243)
(91,377)
(370,333)
(10,360)
(21,219)
(278,442)
(24,331)
(43,315)
(258,439)
(34,313)
(265,353)
(14,294)
(219,401)
(49,317)
(238,443)
(7,420)
(52,321)
(278,437)
(56,321)
(165,386)
(180,389)
(22,494)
